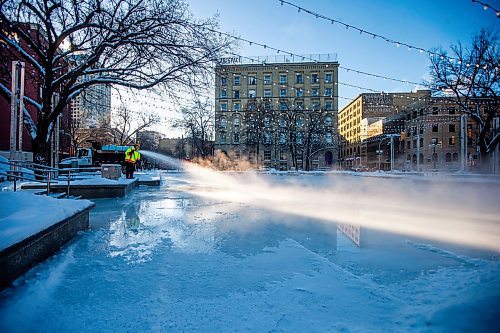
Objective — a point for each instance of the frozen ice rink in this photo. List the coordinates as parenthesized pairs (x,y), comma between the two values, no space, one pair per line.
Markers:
(185,257)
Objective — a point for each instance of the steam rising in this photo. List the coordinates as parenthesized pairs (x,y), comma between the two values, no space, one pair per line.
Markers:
(443,210)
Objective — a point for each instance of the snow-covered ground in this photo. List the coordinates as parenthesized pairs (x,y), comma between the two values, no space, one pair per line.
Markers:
(245,253)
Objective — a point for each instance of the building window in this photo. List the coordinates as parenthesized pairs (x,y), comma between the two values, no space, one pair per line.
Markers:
(283,106)
(282,78)
(223,81)
(267,92)
(299,138)
(448,157)
(267,155)
(251,93)
(236,94)
(328,91)
(328,121)
(421,142)
(315,92)
(236,80)
(236,138)
(315,106)
(298,78)
(223,93)
(451,110)
(282,139)
(222,138)
(223,106)
(451,128)
(328,137)
(236,106)
(267,122)
(267,138)
(267,106)
(455,157)
(314,78)
(328,78)
(299,106)
(408,144)
(435,128)
(299,121)
(282,92)
(236,122)
(299,93)
(282,122)
(435,110)
(251,80)
(329,105)
(223,123)
(267,79)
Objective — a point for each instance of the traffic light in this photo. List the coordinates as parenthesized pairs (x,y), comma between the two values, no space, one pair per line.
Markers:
(403,136)
(469,131)
(452,139)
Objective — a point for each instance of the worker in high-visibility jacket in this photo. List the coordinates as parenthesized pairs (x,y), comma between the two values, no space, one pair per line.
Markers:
(132,156)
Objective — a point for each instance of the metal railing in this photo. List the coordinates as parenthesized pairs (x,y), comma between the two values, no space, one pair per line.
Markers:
(29,171)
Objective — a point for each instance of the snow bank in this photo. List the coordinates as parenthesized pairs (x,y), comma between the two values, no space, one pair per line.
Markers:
(25,214)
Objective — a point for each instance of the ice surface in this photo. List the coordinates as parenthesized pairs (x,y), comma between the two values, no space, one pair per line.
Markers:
(166,260)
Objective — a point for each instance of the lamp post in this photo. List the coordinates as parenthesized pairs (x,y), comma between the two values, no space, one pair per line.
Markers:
(379,151)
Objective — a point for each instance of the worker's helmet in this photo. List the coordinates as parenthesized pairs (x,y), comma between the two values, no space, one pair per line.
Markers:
(137,146)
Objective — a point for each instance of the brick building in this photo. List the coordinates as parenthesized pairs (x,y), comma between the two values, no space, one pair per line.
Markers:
(278,112)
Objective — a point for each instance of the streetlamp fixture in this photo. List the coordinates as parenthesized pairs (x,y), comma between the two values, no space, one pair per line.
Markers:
(379,151)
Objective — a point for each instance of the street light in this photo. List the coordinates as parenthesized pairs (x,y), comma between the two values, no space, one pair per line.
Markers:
(379,151)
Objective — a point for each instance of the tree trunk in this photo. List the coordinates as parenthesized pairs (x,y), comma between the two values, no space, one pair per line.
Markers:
(41,154)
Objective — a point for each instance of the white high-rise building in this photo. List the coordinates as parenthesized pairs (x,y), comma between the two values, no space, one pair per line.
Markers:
(92,107)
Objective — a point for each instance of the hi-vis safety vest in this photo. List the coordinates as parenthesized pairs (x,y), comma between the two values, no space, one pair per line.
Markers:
(132,155)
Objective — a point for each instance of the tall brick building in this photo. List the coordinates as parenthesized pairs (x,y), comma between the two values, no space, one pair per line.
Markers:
(278,112)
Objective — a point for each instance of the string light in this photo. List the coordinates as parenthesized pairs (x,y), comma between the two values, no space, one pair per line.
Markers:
(485,7)
(347,69)
(347,26)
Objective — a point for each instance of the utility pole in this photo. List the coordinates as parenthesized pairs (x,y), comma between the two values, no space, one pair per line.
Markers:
(392,153)
(418,152)
(463,142)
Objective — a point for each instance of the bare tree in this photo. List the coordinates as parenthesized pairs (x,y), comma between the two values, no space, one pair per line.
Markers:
(72,45)
(472,76)
(126,123)
(259,125)
(197,121)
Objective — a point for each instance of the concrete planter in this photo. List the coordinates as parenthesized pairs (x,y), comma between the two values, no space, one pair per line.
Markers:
(19,258)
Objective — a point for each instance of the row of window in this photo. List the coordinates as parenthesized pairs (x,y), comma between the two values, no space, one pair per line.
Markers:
(252,79)
(284,106)
(299,122)
(282,138)
(449,157)
(283,92)
(345,116)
